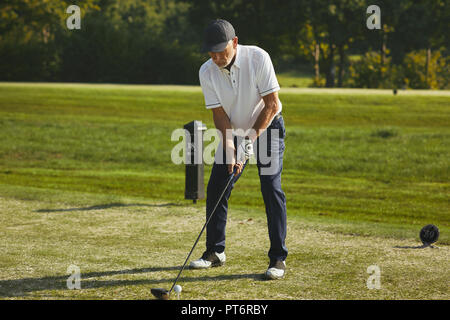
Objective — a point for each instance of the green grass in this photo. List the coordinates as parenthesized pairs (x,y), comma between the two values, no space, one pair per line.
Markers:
(86,179)
(295,79)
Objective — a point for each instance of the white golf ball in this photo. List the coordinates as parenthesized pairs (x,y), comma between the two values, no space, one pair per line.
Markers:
(177,288)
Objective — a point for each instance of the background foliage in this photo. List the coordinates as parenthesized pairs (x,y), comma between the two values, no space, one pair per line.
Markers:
(158,41)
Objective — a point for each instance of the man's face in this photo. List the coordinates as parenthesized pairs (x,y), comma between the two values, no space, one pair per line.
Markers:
(223,58)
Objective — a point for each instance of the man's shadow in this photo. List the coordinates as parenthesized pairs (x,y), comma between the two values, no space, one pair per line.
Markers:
(22,287)
(109,206)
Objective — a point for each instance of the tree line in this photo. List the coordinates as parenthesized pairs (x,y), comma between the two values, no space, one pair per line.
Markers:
(158,41)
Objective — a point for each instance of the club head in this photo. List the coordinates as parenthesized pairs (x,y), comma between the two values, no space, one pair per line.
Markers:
(429,234)
(160,293)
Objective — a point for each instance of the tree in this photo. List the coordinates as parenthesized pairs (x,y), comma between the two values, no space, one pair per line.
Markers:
(270,24)
(37,18)
(329,30)
(422,25)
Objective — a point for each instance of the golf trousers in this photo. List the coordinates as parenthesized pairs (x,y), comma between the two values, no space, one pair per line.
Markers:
(269,159)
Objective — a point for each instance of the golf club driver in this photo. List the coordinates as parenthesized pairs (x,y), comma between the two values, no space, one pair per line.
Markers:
(163,294)
(429,235)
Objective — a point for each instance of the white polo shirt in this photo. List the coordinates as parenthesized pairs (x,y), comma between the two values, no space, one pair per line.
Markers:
(240,90)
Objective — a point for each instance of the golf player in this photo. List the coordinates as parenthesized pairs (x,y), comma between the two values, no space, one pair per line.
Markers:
(241,89)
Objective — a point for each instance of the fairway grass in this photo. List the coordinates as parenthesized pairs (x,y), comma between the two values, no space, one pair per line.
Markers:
(124,247)
(86,179)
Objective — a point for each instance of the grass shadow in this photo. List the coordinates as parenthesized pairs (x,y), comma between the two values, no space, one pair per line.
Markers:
(22,287)
(109,206)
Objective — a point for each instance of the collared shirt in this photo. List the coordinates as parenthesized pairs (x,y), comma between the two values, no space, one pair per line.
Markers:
(240,90)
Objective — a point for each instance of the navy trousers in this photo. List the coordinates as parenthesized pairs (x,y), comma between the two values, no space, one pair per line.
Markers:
(269,152)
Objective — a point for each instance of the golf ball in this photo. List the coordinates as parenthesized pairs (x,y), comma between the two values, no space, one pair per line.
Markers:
(177,288)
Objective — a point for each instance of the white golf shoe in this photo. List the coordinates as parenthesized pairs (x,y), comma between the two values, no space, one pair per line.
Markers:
(208,260)
(276,270)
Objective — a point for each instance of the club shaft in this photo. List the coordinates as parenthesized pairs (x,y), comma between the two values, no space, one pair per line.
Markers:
(203,229)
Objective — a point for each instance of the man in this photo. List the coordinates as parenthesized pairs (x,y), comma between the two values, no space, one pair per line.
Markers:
(240,87)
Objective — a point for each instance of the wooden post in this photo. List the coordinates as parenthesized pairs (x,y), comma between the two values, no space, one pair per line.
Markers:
(427,67)
(316,64)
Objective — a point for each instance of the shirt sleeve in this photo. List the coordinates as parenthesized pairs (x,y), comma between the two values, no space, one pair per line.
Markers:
(211,99)
(266,80)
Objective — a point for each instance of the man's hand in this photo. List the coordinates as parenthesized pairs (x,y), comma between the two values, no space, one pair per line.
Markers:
(244,151)
(239,166)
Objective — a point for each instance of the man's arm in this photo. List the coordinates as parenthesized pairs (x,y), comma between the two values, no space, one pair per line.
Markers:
(265,117)
(223,124)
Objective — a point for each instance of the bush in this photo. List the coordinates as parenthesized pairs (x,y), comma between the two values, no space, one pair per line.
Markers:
(120,55)
(369,72)
(414,70)
(125,42)
(30,61)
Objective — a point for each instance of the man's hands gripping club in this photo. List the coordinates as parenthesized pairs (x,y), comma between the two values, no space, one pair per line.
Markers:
(236,156)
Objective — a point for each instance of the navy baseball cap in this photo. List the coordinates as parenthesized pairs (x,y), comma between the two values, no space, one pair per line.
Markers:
(217,34)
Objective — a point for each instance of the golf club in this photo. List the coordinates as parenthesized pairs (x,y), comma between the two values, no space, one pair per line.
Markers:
(429,234)
(164,294)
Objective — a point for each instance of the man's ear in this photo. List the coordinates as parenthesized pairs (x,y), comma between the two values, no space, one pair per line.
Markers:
(235,42)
